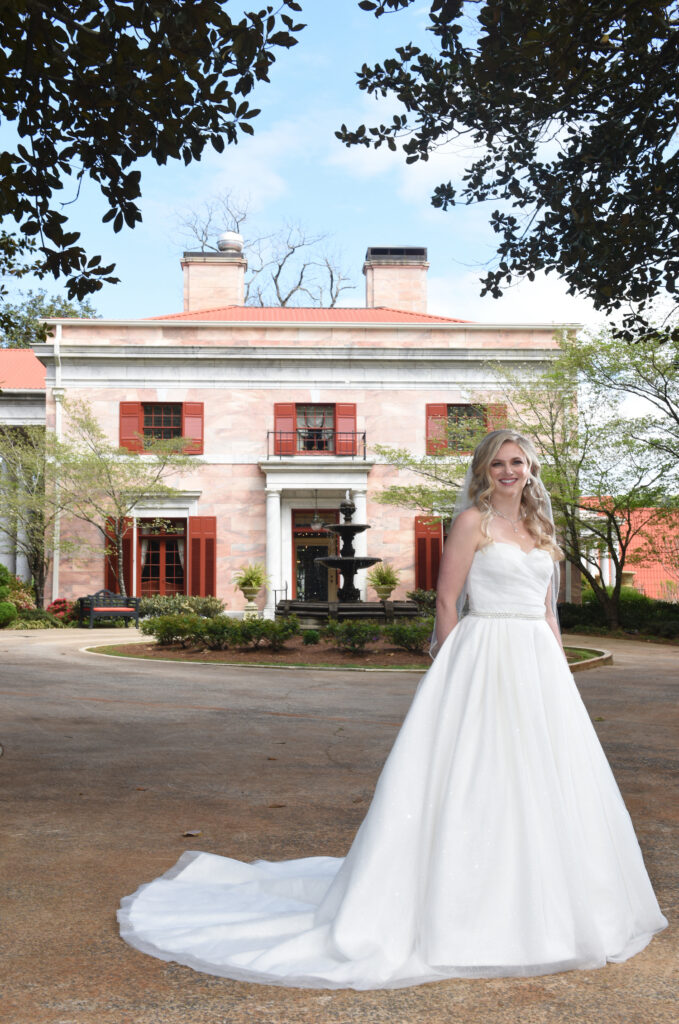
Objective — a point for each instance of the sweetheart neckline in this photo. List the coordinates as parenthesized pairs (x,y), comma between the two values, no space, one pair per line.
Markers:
(508,544)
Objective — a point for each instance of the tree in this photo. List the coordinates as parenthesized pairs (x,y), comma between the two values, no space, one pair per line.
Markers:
(612,487)
(22,319)
(610,483)
(81,475)
(648,370)
(573,109)
(29,509)
(99,483)
(286,267)
(92,87)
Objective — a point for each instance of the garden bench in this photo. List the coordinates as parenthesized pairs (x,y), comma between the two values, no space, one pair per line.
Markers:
(107,605)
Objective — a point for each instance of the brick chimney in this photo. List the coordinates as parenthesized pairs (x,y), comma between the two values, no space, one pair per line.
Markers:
(396,276)
(213,279)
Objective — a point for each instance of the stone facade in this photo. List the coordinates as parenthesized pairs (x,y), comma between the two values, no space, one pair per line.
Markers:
(291,403)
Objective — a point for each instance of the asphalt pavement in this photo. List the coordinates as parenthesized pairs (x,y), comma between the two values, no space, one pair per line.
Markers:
(109,764)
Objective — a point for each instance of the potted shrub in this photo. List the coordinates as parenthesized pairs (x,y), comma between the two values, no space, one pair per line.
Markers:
(383,578)
(250,579)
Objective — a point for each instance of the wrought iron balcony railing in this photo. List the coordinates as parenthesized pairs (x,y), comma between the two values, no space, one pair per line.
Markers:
(316,441)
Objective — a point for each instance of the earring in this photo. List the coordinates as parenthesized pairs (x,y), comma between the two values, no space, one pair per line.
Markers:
(529,481)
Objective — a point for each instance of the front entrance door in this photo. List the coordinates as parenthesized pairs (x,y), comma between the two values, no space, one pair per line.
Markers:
(313,582)
(311,579)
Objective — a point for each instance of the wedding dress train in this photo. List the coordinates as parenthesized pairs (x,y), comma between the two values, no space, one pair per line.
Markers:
(496,844)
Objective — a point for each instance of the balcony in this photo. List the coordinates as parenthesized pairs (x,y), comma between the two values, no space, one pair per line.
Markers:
(315,441)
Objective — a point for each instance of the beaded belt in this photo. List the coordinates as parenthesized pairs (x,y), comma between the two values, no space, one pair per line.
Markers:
(506,615)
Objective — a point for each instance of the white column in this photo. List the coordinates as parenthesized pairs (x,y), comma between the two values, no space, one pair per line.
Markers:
(273,548)
(133,581)
(361,540)
(57,394)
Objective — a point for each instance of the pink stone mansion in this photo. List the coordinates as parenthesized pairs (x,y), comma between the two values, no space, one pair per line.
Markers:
(282,408)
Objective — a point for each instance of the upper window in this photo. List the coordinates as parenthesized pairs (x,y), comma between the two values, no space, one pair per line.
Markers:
(162,419)
(315,428)
(147,420)
(464,421)
(305,428)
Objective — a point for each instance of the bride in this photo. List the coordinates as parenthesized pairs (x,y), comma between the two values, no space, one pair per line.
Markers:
(497,842)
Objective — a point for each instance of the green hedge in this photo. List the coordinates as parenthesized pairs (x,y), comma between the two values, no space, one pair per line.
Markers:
(8,614)
(223,633)
(414,635)
(638,614)
(220,633)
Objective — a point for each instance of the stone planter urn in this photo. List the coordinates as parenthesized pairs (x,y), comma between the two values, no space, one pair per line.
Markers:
(251,611)
(383,592)
(250,579)
(628,577)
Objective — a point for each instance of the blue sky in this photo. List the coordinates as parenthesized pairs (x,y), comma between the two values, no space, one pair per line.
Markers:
(294,169)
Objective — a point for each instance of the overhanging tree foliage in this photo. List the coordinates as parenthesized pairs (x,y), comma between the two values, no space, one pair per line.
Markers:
(22,320)
(91,87)
(573,105)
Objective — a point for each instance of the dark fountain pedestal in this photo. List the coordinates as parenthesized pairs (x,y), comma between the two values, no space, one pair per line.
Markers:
(349,604)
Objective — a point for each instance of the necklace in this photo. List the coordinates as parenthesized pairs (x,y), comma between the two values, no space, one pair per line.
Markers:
(503,515)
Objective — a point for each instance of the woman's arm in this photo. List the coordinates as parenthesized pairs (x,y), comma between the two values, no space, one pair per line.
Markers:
(550,616)
(458,552)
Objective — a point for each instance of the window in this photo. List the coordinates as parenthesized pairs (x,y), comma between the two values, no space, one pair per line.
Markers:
(161,557)
(315,428)
(139,420)
(162,419)
(465,420)
(307,428)
(162,553)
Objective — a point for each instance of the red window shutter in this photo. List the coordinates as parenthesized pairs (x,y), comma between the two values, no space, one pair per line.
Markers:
(345,428)
(285,428)
(192,427)
(111,562)
(428,547)
(131,426)
(437,428)
(202,547)
(496,416)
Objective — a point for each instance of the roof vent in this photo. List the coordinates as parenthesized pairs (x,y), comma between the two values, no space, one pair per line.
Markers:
(230,241)
(396,253)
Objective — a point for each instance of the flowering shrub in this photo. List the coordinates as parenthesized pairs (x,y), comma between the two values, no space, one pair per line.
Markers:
(180,604)
(63,610)
(20,595)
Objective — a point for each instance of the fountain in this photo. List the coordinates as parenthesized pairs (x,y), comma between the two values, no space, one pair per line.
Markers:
(349,604)
(348,562)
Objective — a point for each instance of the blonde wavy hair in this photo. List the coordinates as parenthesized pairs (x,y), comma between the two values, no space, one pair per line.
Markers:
(535,507)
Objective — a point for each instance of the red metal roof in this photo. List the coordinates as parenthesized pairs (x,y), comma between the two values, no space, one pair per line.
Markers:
(311,315)
(20,369)
(656,577)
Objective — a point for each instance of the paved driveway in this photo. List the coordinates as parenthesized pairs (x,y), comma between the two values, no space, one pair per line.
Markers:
(107,763)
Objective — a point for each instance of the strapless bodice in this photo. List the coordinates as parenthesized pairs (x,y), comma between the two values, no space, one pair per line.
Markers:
(504,578)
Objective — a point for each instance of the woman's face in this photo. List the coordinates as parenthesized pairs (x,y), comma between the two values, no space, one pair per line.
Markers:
(509,470)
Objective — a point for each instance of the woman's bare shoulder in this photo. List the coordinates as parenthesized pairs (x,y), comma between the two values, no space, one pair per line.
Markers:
(470,519)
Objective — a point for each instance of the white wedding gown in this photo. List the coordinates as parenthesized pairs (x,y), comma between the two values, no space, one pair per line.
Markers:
(497,842)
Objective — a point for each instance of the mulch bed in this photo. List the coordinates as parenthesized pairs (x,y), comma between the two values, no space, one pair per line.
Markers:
(295,652)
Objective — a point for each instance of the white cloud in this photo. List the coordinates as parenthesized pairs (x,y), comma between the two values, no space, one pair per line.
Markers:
(543,300)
